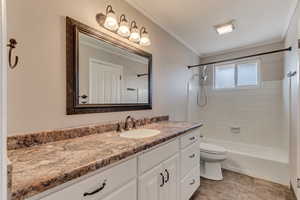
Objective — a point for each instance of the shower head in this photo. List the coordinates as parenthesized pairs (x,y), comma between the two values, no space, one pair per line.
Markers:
(203,73)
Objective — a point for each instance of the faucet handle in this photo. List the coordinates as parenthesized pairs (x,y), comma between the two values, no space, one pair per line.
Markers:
(134,123)
(119,128)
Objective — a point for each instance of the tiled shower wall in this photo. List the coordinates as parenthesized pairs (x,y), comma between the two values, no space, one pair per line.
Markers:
(257,112)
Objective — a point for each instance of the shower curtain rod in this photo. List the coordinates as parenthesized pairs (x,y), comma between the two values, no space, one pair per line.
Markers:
(239,58)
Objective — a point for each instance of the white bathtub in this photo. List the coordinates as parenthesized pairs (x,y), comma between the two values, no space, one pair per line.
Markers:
(257,161)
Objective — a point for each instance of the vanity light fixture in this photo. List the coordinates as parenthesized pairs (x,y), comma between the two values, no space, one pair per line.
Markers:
(145,39)
(225,28)
(135,33)
(111,21)
(124,29)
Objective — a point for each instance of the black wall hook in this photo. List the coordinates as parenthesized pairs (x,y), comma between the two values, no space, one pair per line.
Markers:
(12,45)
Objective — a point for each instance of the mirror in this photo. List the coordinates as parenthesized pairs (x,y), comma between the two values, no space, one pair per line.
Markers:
(105,74)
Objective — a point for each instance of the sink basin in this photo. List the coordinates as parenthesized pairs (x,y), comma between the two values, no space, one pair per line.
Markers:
(140,133)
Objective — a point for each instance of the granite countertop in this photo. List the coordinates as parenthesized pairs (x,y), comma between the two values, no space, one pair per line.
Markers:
(39,168)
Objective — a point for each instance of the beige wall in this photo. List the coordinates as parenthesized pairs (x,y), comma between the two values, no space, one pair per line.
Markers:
(291,98)
(37,97)
(271,65)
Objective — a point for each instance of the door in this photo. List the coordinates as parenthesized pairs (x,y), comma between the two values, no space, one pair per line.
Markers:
(104,83)
(3,101)
(171,187)
(292,63)
(293,76)
(150,184)
(296,127)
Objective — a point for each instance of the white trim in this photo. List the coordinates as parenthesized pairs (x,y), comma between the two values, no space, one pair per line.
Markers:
(3,102)
(137,6)
(236,87)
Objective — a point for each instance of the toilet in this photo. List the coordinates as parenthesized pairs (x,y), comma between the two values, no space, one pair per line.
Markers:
(211,157)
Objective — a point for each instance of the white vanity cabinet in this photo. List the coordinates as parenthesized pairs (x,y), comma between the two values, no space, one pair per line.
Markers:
(161,182)
(118,181)
(170,171)
(190,164)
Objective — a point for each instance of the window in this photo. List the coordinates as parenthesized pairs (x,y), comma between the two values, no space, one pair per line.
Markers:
(237,75)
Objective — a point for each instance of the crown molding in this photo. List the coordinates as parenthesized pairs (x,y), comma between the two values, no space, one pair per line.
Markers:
(154,19)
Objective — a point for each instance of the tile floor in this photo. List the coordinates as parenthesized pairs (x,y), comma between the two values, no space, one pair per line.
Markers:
(240,187)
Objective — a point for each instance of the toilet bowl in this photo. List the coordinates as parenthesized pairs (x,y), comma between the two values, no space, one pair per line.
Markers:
(211,157)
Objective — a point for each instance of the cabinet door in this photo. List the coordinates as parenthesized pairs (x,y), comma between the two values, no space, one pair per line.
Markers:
(150,184)
(171,171)
(127,192)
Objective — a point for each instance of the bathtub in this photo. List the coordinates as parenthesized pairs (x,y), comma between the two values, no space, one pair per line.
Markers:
(257,161)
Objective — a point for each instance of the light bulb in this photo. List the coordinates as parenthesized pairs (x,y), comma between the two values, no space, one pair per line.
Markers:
(111,22)
(124,29)
(145,39)
(135,33)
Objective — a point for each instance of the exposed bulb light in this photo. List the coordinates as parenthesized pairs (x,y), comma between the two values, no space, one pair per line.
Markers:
(135,33)
(124,29)
(225,28)
(111,21)
(145,39)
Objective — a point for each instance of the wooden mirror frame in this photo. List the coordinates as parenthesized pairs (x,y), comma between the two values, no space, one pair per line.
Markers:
(73,28)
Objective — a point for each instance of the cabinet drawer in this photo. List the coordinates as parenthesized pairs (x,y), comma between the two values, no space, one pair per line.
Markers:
(127,192)
(190,183)
(190,157)
(156,156)
(114,178)
(191,137)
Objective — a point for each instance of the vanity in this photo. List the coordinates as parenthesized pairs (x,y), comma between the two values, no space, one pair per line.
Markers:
(170,171)
(165,166)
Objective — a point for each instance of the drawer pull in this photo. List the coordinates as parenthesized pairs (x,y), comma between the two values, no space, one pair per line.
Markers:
(162,180)
(193,182)
(96,191)
(192,156)
(168,176)
(192,138)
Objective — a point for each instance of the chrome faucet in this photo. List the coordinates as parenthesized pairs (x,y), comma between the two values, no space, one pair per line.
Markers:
(127,127)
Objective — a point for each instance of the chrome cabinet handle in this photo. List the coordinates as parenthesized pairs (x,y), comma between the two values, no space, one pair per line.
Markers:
(192,156)
(162,180)
(193,182)
(168,176)
(96,191)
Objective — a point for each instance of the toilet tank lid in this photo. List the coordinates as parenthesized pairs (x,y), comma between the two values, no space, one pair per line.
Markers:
(206,147)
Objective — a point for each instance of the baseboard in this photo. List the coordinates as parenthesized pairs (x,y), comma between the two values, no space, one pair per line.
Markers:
(254,175)
(293,192)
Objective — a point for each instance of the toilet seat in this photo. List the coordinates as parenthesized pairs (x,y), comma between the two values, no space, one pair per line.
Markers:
(212,149)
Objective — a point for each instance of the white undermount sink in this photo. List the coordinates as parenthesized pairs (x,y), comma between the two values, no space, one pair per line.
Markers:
(140,133)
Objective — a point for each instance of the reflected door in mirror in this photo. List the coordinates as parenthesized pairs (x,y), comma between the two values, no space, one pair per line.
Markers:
(105,83)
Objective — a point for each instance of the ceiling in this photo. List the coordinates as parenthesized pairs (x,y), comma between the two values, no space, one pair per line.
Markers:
(191,21)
